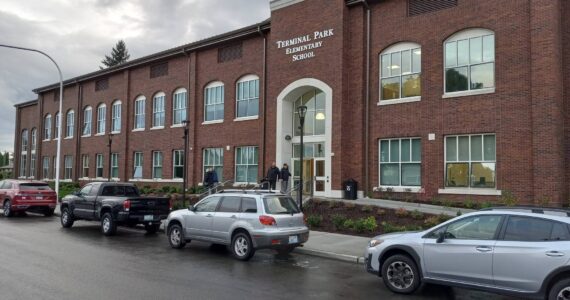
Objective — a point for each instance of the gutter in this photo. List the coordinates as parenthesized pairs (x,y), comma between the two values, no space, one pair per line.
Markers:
(264,105)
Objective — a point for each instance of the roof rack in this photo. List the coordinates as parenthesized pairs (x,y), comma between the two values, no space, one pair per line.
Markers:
(533,209)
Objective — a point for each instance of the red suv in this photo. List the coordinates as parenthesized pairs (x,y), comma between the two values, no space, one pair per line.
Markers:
(27,195)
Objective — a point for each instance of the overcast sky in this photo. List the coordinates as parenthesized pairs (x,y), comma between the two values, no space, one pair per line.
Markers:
(78,34)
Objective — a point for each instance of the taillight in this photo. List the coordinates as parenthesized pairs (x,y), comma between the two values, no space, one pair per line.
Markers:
(127,205)
(267,220)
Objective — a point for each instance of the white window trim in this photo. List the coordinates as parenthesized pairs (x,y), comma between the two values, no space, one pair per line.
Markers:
(174,161)
(158,95)
(399,47)
(99,134)
(470,191)
(468,93)
(115,132)
(396,188)
(104,120)
(138,130)
(246,118)
(236,164)
(68,138)
(67,124)
(402,189)
(85,110)
(247,78)
(116,103)
(176,92)
(214,84)
(176,125)
(212,122)
(400,101)
(152,128)
(85,136)
(139,99)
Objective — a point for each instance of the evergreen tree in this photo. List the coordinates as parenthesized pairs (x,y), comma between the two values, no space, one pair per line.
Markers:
(2,163)
(119,55)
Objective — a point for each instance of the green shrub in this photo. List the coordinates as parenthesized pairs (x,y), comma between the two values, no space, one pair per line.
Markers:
(486,204)
(365,224)
(388,228)
(402,213)
(348,224)
(469,204)
(443,217)
(508,198)
(314,220)
(417,215)
(458,213)
(431,221)
(338,221)
(367,208)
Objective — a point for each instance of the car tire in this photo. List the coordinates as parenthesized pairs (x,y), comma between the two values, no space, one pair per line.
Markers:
(48,212)
(560,288)
(152,229)
(400,274)
(66,218)
(242,247)
(108,225)
(7,209)
(176,237)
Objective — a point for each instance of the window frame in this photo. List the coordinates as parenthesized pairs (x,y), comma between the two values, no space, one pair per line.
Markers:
(155,165)
(99,165)
(70,124)
(394,49)
(554,222)
(247,165)
(56,125)
(67,167)
(159,110)
(85,166)
(87,121)
(115,165)
(469,162)
(45,167)
(47,127)
(177,162)
(400,187)
(177,109)
(101,119)
(221,102)
(116,113)
(247,79)
(206,159)
(138,162)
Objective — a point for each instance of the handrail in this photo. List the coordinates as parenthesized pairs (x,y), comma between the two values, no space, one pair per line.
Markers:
(213,189)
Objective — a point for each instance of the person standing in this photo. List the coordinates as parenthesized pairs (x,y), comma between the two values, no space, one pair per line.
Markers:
(272,175)
(285,174)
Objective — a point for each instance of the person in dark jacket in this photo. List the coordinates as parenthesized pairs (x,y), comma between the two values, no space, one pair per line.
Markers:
(284,175)
(272,175)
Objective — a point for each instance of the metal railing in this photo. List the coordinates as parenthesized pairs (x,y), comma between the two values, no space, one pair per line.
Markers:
(214,189)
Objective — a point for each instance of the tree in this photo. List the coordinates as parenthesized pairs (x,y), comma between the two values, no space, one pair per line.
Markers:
(119,55)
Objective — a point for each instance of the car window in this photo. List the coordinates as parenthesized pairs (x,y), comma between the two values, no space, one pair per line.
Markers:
(1,184)
(208,205)
(527,229)
(34,187)
(119,191)
(474,228)
(280,205)
(95,189)
(7,185)
(229,204)
(86,190)
(248,205)
(560,232)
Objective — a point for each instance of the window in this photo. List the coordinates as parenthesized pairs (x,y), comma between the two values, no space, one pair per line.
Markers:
(139,112)
(47,127)
(230,205)
(85,166)
(25,140)
(470,61)
(470,161)
(214,158)
(33,164)
(179,104)
(229,53)
(418,7)
(248,205)
(68,161)
(23,164)
(102,84)
(99,166)
(280,205)
(316,114)
(55,167)
(246,164)
(101,111)
(87,118)
(474,228)
(400,162)
(401,67)
(178,164)
(116,117)
(34,139)
(214,102)
(248,97)
(56,125)
(159,70)
(45,167)
(527,229)
(208,204)
(86,190)
(70,128)
(120,191)
(157,165)
(138,165)
(158,114)
(115,165)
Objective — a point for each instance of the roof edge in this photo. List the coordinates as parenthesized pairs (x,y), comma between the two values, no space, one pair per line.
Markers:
(27,103)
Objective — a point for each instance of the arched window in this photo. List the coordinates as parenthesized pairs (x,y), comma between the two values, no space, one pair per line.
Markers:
(214,102)
(70,127)
(179,105)
(139,112)
(247,97)
(87,119)
(116,117)
(400,76)
(470,61)
(315,116)
(24,153)
(47,127)
(101,112)
(56,125)
(34,139)
(24,140)
(158,112)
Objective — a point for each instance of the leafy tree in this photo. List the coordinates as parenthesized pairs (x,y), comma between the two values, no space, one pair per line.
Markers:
(2,163)
(119,55)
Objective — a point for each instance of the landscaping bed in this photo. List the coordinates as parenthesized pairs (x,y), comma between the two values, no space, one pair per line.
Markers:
(365,220)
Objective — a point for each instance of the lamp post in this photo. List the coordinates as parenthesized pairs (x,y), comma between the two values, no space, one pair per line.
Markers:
(184,176)
(302,110)
(60,109)
(110,155)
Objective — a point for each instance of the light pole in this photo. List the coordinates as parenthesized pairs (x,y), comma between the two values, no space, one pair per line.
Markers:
(186,124)
(60,109)
(302,110)
(110,158)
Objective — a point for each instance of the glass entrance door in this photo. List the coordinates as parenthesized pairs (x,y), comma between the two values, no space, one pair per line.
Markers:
(319,177)
(314,169)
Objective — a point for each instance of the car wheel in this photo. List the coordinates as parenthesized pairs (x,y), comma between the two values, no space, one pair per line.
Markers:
(176,237)
(108,225)
(66,218)
(560,290)
(48,212)
(7,209)
(242,247)
(151,229)
(400,274)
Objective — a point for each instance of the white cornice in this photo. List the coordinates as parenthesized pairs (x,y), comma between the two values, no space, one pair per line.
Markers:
(278,4)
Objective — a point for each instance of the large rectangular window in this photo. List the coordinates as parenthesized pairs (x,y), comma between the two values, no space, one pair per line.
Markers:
(45,167)
(85,166)
(68,164)
(246,164)
(248,98)
(156,165)
(87,115)
(33,164)
(401,72)
(115,165)
(138,165)
(214,103)
(139,113)
(23,164)
(179,107)
(70,128)
(178,164)
(158,110)
(214,159)
(101,111)
(400,162)
(56,130)
(470,161)
(99,166)
(116,117)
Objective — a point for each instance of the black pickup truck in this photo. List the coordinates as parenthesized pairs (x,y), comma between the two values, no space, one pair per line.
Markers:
(114,204)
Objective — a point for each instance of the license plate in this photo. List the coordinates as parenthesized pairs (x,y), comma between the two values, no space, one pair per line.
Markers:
(39,197)
(293,239)
(148,217)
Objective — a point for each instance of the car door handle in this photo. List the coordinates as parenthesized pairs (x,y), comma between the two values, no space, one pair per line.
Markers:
(483,248)
(554,253)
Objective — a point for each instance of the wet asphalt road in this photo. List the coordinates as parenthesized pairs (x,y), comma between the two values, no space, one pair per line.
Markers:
(41,260)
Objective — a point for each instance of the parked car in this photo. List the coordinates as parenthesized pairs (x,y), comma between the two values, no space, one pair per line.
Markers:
(243,220)
(517,251)
(114,204)
(27,195)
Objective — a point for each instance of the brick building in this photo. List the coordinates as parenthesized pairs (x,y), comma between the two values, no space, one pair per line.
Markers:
(447,99)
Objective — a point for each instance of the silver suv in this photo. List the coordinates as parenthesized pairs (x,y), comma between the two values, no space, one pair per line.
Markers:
(520,251)
(244,220)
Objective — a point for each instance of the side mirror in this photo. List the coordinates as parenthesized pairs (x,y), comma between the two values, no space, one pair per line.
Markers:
(440,238)
(77,193)
(191,208)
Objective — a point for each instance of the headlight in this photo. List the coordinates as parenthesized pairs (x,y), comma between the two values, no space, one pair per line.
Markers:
(374,243)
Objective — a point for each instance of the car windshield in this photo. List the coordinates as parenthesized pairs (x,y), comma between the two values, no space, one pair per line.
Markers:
(119,191)
(34,187)
(276,205)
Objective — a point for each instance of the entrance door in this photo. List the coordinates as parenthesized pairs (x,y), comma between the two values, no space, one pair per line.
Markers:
(308,174)
(320,179)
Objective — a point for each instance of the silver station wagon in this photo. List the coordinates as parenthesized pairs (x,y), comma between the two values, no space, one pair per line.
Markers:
(243,220)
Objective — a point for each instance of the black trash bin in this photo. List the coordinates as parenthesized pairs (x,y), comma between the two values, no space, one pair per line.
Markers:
(349,187)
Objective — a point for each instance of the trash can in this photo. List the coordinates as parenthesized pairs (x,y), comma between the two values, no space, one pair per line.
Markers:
(349,187)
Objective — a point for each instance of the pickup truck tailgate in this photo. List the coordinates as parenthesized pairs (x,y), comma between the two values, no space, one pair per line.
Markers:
(149,206)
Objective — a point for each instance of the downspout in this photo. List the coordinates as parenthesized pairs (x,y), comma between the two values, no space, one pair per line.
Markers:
(264,105)
(189,178)
(78,133)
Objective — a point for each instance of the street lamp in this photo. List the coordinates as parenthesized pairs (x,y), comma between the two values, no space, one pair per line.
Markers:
(110,158)
(302,110)
(60,109)
(184,176)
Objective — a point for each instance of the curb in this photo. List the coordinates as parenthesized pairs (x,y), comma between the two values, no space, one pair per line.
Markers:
(331,255)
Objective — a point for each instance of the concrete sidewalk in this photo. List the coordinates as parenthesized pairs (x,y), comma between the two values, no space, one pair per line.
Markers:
(335,246)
